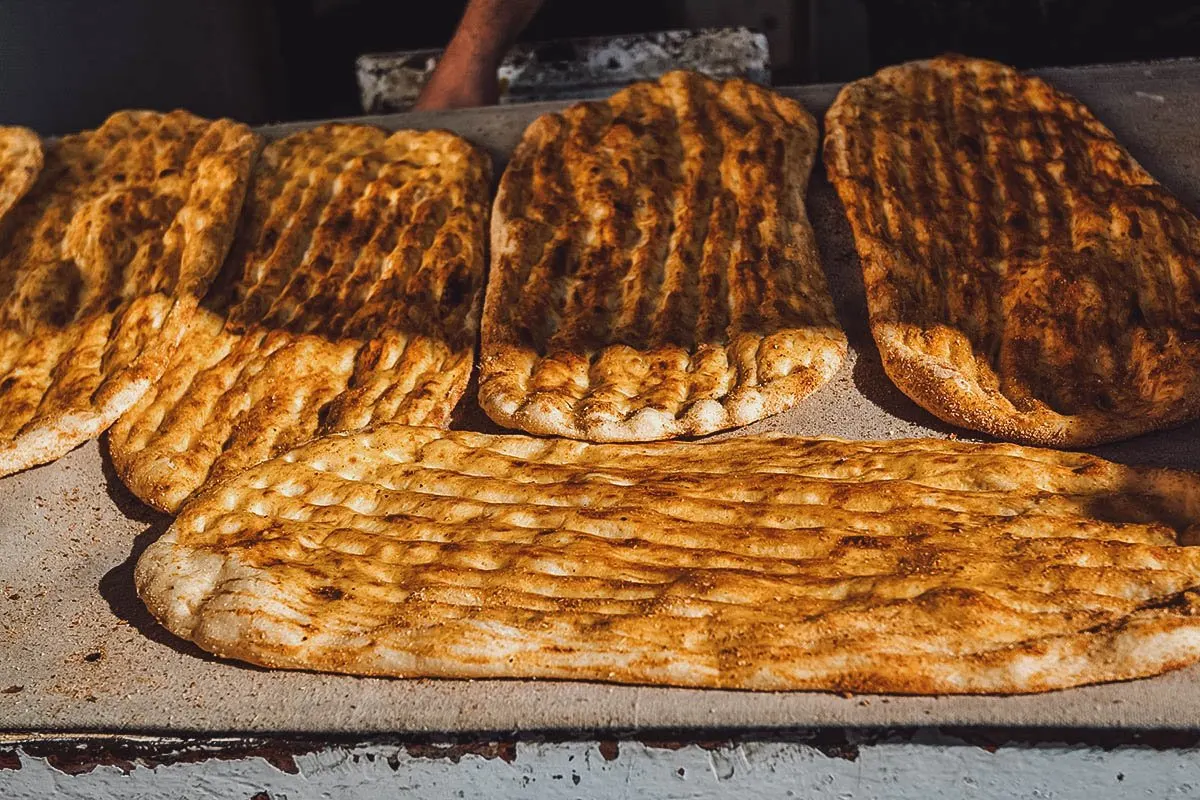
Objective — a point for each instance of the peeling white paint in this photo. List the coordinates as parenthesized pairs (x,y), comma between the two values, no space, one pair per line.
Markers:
(768,770)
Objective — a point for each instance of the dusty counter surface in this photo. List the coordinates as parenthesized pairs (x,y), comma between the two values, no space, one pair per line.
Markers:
(79,653)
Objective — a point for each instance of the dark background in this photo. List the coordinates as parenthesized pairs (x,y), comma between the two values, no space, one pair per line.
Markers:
(65,64)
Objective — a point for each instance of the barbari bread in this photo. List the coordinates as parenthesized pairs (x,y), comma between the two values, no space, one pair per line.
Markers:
(351,297)
(1025,277)
(912,566)
(653,270)
(20,163)
(102,265)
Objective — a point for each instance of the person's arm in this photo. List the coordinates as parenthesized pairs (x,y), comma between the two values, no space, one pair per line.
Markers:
(466,73)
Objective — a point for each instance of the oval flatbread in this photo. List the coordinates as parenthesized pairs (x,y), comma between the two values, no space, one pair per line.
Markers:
(911,566)
(1025,276)
(351,297)
(653,270)
(101,267)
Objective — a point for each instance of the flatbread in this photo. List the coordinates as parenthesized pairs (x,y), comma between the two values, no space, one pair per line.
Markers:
(1025,276)
(351,297)
(653,270)
(911,566)
(102,266)
(20,163)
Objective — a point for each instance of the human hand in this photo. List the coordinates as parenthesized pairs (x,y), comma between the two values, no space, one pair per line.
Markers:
(458,85)
(465,75)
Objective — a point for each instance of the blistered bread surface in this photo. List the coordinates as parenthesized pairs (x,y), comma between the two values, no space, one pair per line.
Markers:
(910,566)
(1025,276)
(102,264)
(351,297)
(653,271)
(21,160)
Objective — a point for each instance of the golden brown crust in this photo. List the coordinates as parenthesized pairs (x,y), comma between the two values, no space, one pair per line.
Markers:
(351,297)
(20,163)
(653,271)
(101,267)
(1025,276)
(911,566)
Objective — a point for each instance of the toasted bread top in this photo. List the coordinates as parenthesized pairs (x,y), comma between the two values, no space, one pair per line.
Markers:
(351,297)
(101,267)
(653,271)
(1025,276)
(910,566)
